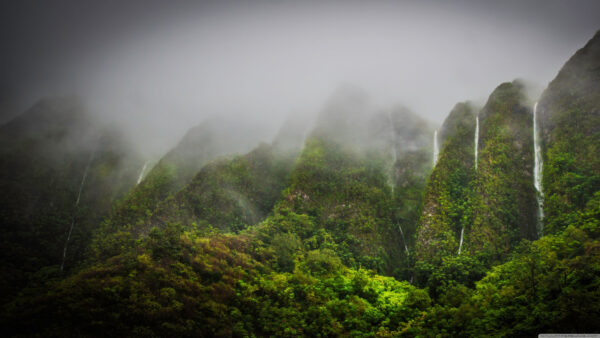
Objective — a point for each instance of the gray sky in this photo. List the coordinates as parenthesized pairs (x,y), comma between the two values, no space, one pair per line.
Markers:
(159,67)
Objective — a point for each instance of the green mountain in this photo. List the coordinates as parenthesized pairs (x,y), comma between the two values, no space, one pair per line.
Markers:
(346,174)
(223,285)
(358,229)
(208,141)
(505,204)
(229,195)
(569,116)
(495,204)
(550,284)
(446,206)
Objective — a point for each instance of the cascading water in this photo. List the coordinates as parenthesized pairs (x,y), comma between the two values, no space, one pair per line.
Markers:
(476,140)
(436,149)
(403,239)
(85,172)
(537,171)
(476,151)
(462,234)
(141,177)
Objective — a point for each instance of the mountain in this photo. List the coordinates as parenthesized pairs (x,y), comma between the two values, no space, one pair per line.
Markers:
(569,116)
(446,209)
(336,208)
(344,178)
(488,210)
(61,172)
(546,285)
(208,141)
(505,203)
(229,195)
(357,228)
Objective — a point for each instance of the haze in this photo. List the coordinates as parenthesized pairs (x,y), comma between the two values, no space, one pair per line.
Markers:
(157,68)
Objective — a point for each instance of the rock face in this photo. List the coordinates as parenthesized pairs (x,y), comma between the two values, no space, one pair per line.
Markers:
(504,203)
(446,205)
(569,115)
(45,153)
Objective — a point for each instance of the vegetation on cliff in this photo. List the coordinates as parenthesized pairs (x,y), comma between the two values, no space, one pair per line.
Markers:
(351,233)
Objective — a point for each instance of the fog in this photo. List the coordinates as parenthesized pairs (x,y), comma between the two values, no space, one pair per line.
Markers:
(157,68)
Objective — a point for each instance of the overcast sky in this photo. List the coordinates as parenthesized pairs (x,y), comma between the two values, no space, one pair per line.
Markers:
(162,66)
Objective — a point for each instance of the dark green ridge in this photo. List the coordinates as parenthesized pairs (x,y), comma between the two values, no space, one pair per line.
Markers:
(448,195)
(504,203)
(569,112)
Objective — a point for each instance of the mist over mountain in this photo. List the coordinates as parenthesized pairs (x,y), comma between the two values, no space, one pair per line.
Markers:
(156,69)
(230,169)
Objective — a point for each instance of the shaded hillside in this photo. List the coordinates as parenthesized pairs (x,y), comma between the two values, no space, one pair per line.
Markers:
(413,148)
(60,175)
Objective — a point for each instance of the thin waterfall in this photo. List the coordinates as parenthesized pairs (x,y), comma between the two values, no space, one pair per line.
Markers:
(537,170)
(476,140)
(436,149)
(403,239)
(142,173)
(476,151)
(85,172)
(462,234)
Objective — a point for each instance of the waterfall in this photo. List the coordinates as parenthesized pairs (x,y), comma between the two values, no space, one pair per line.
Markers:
(436,149)
(141,177)
(476,140)
(403,239)
(537,170)
(85,172)
(462,234)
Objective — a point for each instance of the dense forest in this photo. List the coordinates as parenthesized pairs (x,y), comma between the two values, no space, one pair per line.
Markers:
(372,222)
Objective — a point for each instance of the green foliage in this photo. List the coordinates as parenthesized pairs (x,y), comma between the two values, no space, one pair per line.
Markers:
(177,283)
(345,195)
(571,173)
